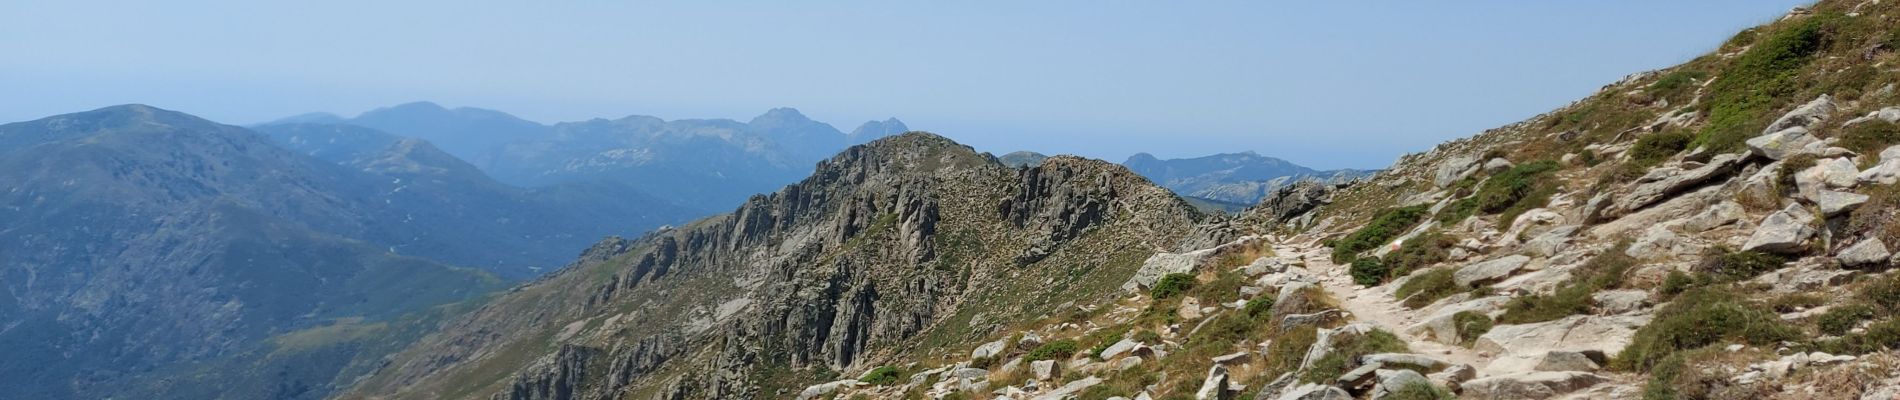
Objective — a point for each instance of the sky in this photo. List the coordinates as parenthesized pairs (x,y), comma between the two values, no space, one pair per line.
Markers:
(1321,83)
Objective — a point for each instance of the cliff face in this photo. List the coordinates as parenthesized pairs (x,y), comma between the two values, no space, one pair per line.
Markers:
(903,247)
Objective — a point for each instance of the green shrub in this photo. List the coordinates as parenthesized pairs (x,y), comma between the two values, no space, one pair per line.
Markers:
(1509,188)
(1259,306)
(1676,283)
(1698,318)
(1458,210)
(1745,93)
(881,376)
(1430,247)
(1869,138)
(1387,225)
(1676,85)
(1346,352)
(1285,353)
(1368,271)
(1471,325)
(1147,337)
(1653,148)
(1428,287)
(1419,391)
(1796,302)
(1054,350)
(1100,340)
(1839,320)
(1172,285)
(1224,288)
(1880,336)
(1729,265)
(1573,296)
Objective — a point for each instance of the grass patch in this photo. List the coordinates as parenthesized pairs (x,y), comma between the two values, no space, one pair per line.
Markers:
(1389,224)
(1224,288)
(1368,271)
(881,376)
(1171,285)
(1471,325)
(1699,318)
(1745,92)
(1419,391)
(1839,320)
(1286,352)
(1346,352)
(1728,265)
(1869,138)
(1605,271)
(1677,86)
(1430,247)
(1876,217)
(1054,350)
(1428,287)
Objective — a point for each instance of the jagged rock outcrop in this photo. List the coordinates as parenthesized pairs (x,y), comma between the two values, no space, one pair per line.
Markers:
(882,244)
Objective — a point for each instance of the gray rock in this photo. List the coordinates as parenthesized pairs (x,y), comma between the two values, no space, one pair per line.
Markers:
(1785,231)
(1868,252)
(1834,203)
(1656,242)
(990,349)
(1043,369)
(1127,363)
(1781,144)
(1401,359)
(1490,270)
(1116,350)
(1314,391)
(1453,169)
(1392,380)
(1719,215)
(1892,152)
(1831,173)
(1805,116)
(1453,376)
(1240,357)
(1885,173)
(1553,242)
(1358,378)
(1534,385)
(1672,182)
(1496,165)
(969,373)
(1612,302)
(1559,360)
(1163,263)
(1215,386)
(1290,298)
(1070,389)
(822,389)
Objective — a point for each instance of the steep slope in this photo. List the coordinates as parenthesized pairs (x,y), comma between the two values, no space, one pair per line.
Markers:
(137,239)
(448,200)
(897,250)
(1231,177)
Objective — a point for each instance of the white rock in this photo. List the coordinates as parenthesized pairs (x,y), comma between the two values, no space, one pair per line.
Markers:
(1043,369)
(1117,349)
(1805,116)
(822,389)
(1781,144)
(1867,252)
(1391,380)
(1533,385)
(1885,173)
(1612,302)
(1214,387)
(1784,231)
(990,349)
(1521,347)
(1831,173)
(1489,270)
(1070,389)
(1834,203)
(1721,214)
(1314,391)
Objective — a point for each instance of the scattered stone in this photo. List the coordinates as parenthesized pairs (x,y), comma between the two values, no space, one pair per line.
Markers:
(1785,231)
(1489,270)
(1805,116)
(1557,360)
(1358,378)
(1043,369)
(1454,376)
(1533,385)
(1612,302)
(1116,350)
(1030,341)
(1658,241)
(1400,359)
(1867,252)
(1496,165)
(1825,174)
(1240,357)
(1721,214)
(1781,144)
(1885,173)
(1453,169)
(1070,389)
(1190,309)
(1834,203)
(1215,386)
(1391,379)
(1553,242)
(1127,363)
(990,349)
(1674,182)
(823,389)
(1314,391)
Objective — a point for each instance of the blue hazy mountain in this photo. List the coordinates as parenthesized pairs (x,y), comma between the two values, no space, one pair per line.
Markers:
(1242,178)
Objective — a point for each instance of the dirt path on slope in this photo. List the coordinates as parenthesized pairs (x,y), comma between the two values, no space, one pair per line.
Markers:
(1374,305)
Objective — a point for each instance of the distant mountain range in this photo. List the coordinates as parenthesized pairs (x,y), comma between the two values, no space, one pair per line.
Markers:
(703,164)
(1221,182)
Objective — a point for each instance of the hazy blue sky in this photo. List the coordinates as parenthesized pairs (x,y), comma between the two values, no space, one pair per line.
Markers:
(1323,83)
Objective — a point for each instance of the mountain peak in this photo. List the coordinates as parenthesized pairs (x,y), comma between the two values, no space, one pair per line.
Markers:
(872,130)
(781,114)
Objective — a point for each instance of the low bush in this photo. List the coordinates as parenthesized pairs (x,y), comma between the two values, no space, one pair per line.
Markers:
(1419,391)
(1171,285)
(1368,271)
(1147,337)
(1744,93)
(1509,189)
(1285,353)
(1573,296)
(1428,287)
(1388,224)
(1471,325)
(881,376)
(1053,350)
(1224,288)
(1654,148)
(1796,302)
(1346,352)
(1430,247)
(1101,339)
(1728,265)
(1839,320)
(1698,318)
(1876,218)
(1676,283)
(1677,85)
(1259,306)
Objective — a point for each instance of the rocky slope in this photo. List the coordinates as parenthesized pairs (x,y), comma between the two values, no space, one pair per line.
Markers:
(1715,230)
(897,251)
